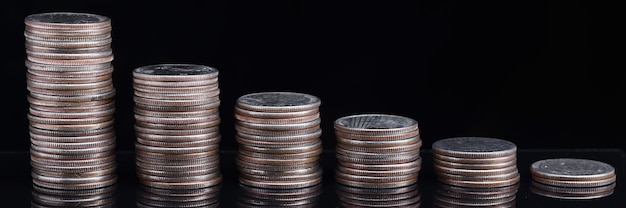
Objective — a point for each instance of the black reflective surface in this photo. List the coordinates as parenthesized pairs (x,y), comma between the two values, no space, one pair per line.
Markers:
(16,186)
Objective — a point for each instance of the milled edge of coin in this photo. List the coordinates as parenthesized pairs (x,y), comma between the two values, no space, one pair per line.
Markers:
(274,115)
(278,101)
(175,72)
(577,183)
(280,127)
(375,123)
(474,147)
(537,169)
(382,167)
(470,166)
(66,20)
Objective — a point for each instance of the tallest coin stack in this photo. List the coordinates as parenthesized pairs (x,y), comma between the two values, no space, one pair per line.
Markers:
(71,106)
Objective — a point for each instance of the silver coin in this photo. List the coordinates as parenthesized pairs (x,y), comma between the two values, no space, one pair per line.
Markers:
(572,169)
(175,72)
(66,20)
(375,123)
(474,147)
(278,101)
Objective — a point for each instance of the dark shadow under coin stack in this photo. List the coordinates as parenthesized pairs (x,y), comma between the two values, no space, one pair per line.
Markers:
(177,134)
(378,161)
(279,146)
(71,123)
(572,178)
(475,171)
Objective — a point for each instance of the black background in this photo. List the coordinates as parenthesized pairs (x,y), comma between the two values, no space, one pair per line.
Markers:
(542,74)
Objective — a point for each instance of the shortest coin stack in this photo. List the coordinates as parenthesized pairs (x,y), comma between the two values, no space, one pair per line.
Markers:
(572,178)
(469,168)
(378,156)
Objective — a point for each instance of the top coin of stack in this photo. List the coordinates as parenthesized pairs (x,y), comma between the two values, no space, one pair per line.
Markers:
(279,147)
(377,151)
(470,167)
(572,178)
(71,101)
(177,126)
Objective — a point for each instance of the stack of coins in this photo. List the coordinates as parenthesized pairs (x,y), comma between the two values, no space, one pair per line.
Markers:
(476,171)
(71,97)
(572,178)
(177,129)
(378,159)
(278,134)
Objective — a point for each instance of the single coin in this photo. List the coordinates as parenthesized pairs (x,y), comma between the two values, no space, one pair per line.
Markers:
(281,184)
(313,152)
(470,166)
(261,132)
(474,147)
(77,100)
(280,127)
(475,161)
(278,102)
(177,108)
(382,167)
(376,137)
(292,138)
(69,56)
(274,115)
(64,37)
(300,119)
(69,44)
(281,150)
(572,169)
(90,68)
(175,72)
(475,172)
(378,124)
(69,32)
(66,20)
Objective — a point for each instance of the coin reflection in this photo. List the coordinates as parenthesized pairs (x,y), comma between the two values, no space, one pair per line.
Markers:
(350,196)
(572,193)
(455,196)
(157,197)
(305,197)
(48,197)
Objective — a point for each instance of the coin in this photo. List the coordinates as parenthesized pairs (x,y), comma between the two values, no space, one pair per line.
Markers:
(278,102)
(572,169)
(474,147)
(572,178)
(175,72)
(66,20)
(379,124)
